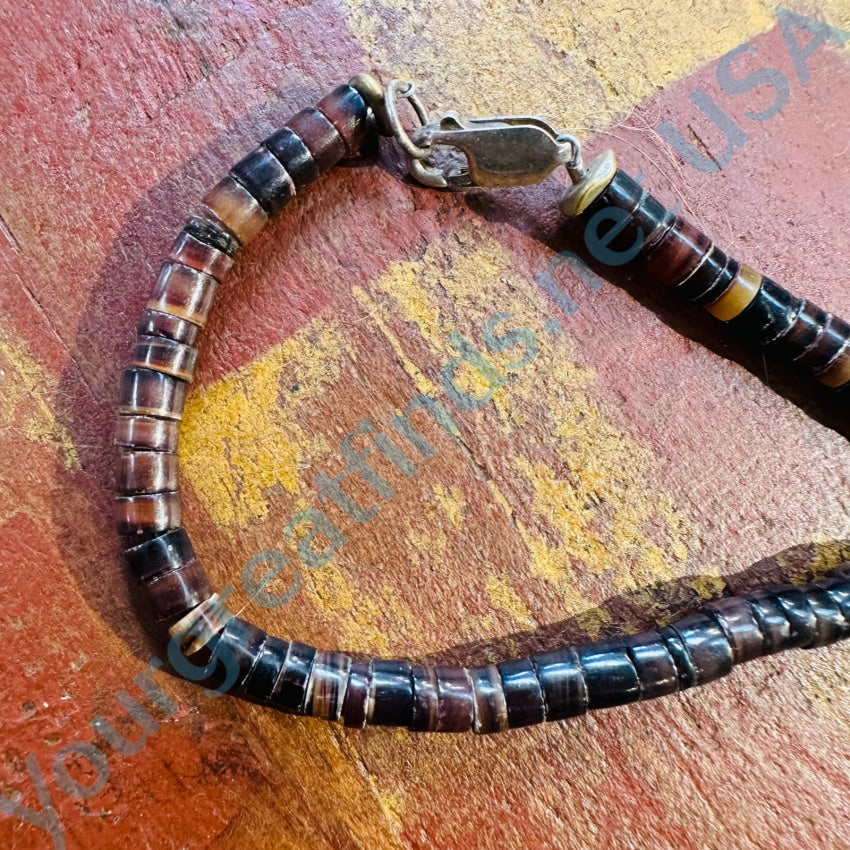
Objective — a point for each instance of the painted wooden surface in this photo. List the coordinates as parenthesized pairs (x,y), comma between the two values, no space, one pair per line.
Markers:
(637,463)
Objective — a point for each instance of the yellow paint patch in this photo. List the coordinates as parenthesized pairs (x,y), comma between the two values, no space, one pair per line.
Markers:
(26,389)
(505,598)
(240,435)
(610,56)
(451,500)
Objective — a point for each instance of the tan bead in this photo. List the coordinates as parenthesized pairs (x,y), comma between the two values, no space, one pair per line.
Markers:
(183,292)
(147,512)
(237,209)
(740,294)
(166,355)
(199,256)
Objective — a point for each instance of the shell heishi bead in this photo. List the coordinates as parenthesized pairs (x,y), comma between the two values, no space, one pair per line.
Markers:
(523,693)
(212,232)
(167,356)
(147,432)
(740,294)
(707,646)
(184,292)
(157,323)
(320,136)
(151,393)
(655,667)
(149,512)
(609,674)
(356,707)
(236,208)
(162,554)
(146,472)
(562,681)
(735,616)
(345,108)
(290,690)
(677,254)
(199,256)
(837,373)
(827,346)
(294,155)
(327,684)
(264,675)
(171,595)
(455,700)
(263,175)
(391,693)
(491,710)
(241,643)
(425,698)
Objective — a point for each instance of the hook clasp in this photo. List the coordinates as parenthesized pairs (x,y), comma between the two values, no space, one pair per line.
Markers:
(500,151)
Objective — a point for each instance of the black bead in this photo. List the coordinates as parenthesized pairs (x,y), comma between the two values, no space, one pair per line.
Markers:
(770,314)
(707,646)
(212,233)
(609,674)
(261,680)
(392,693)
(523,693)
(265,178)
(290,690)
(830,624)
(681,658)
(562,681)
(710,280)
(287,146)
(772,621)
(657,674)
(240,644)
(164,553)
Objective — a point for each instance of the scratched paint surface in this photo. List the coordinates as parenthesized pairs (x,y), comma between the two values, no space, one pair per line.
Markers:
(624,466)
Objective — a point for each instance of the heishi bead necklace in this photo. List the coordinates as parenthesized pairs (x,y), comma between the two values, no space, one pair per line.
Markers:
(168,583)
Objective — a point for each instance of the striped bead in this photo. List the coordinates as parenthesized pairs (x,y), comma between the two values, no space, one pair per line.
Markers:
(151,393)
(146,472)
(356,707)
(147,512)
(327,684)
(200,256)
(167,326)
(265,178)
(183,292)
(236,208)
(491,708)
(345,108)
(146,432)
(391,693)
(167,356)
(321,138)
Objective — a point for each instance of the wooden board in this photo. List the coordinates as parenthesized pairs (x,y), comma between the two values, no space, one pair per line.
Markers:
(635,461)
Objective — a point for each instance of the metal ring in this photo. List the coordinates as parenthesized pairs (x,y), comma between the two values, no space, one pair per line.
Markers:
(394,90)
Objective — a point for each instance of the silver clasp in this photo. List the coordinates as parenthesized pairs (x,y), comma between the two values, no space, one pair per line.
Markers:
(500,151)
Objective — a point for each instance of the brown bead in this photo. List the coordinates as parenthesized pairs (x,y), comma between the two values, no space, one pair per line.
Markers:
(148,512)
(837,373)
(172,594)
(155,556)
(199,256)
(147,432)
(183,292)
(144,391)
(736,618)
(236,208)
(146,472)
(677,254)
(345,108)
(327,684)
(356,707)
(456,701)
(425,699)
(157,323)
(491,709)
(167,356)
(320,136)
